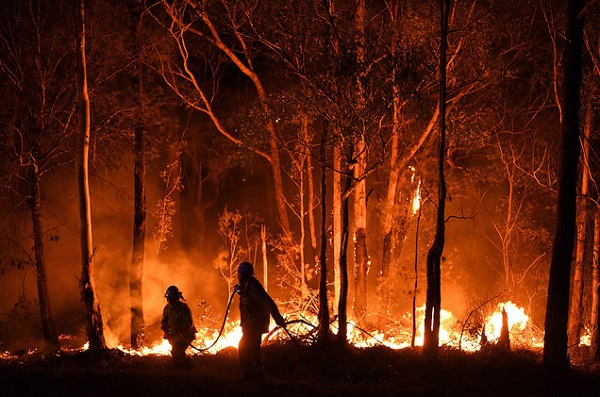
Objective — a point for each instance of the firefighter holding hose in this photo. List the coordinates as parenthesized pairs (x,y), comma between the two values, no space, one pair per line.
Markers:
(256,307)
(178,327)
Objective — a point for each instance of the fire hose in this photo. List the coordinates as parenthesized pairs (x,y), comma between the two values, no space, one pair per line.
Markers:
(202,350)
(236,290)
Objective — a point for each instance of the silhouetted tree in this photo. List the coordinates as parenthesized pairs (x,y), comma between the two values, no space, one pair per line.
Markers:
(91,305)
(434,256)
(556,361)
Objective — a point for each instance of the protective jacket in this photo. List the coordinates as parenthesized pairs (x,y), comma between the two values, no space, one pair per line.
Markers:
(177,322)
(255,307)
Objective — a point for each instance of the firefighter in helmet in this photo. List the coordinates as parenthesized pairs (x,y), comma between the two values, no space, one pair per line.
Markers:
(178,327)
(255,308)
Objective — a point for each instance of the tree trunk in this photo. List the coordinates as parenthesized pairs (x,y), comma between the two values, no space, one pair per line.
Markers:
(263,239)
(361,257)
(342,337)
(34,200)
(578,284)
(337,223)
(302,215)
(433,301)
(91,306)
(595,315)
(556,361)
(504,340)
(136,269)
(383,282)
(311,194)
(191,202)
(323,335)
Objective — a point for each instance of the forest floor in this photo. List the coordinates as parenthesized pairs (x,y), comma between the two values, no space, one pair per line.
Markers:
(375,371)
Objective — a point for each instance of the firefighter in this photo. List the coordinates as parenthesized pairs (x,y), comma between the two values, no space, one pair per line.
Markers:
(255,308)
(178,327)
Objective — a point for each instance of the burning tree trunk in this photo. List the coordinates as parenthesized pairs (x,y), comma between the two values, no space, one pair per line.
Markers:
(595,315)
(504,340)
(34,200)
(136,269)
(578,285)
(556,361)
(91,306)
(431,333)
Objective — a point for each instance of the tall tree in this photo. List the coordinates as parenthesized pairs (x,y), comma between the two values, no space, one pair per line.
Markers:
(434,256)
(556,361)
(37,109)
(578,285)
(359,167)
(136,269)
(324,334)
(91,305)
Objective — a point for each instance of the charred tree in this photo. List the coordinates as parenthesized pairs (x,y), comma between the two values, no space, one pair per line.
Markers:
(504,340)
(556,361)
(431,332)
(323,337)
(34,200)
(342,337)
(337,224)
(91,305)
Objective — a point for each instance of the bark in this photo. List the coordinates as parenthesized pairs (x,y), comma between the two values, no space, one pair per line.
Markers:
(192,219)
(433,301)
(595,314)
(361,257)
(34,200)
(342,338)
(91,305)
(136,270)
(578,284)
(263,239)
(383,284)
(556,361)
(337,223)
(311,194)
(302,215)
(323,335)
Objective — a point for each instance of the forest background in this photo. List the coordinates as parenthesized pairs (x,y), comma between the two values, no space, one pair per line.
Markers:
(247,127)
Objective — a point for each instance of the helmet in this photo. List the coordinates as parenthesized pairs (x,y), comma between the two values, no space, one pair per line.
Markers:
(246,268)
(173,293)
